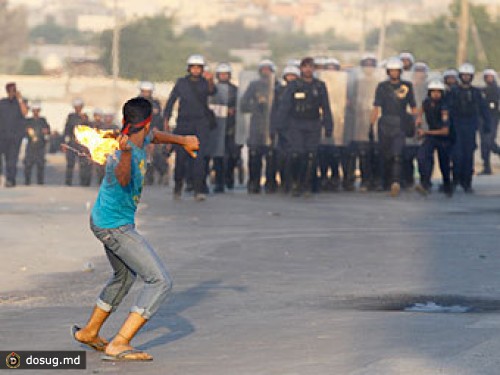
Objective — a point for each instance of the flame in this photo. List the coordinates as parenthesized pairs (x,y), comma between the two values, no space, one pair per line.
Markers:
(100,143)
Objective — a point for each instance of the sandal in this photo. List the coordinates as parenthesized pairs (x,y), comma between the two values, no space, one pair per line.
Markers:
(125,356)
(100,345)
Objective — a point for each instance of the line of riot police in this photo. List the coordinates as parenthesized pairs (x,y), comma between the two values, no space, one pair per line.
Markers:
(314,127)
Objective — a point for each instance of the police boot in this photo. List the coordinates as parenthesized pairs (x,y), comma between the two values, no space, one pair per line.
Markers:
(149,176)
(27,178)
(69,177)
(295,169)
(366,174)
(241,172)
(396,176)
(254,171)
(40,179)
(486,169)
(349,177)
(219,175)
(178,190)
(271,169)
(309,171)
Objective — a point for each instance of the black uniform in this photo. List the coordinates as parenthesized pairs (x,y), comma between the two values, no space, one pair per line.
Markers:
(157,161)
(257,100)
(393,100)
(491,94)
(232,150)
(192,119)
(433,111)
(37,132)
(279,132)
(307,108)
(11,135)
(467,109)
(85,165)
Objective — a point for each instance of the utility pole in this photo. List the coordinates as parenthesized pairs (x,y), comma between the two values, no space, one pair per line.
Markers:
(115,56)
(463,32)
(478,43)
(383,27)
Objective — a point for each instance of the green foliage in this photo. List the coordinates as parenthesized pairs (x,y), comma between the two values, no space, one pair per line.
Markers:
(14,32)
(436,42)
(148,50)
(286,46)
(52,33)
(31,67)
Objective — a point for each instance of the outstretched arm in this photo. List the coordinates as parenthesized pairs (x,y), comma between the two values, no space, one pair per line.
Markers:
(190,142)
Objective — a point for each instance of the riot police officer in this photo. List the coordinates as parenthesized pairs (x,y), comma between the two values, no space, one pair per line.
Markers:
(332,63)
(78,117)
(305,108)
(329,156)
(392,98)
(491,93)
(157,154)
(279,130)
(257,100)
(98,121)
(408,60)
(361,147)
(38,133)
(109,122)
(435,138)
(224,151)
(467,107)
(194,118)
(450,78)
(419,77)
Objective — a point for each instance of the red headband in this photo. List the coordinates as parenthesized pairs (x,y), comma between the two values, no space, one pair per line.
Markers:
(140,125)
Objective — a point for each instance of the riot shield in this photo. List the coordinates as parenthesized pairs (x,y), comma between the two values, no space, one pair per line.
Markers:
(420,80)
(219,105)
(363,82)
(255,98)
(336,86)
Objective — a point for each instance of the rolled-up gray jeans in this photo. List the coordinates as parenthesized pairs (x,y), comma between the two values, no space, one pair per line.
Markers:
(130,255)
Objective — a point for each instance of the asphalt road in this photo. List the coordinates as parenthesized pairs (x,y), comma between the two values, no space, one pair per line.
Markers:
(272,285)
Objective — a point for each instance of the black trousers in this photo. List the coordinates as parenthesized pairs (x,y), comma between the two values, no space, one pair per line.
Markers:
(10,148)
(35,156)
(256,155)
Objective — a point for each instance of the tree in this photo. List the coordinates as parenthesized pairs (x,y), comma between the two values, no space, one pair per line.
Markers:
(14,34)
(436,42)
(52,33)
(149,50)
(31,67)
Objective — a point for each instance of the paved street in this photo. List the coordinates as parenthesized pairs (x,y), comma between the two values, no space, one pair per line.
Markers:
(269,285)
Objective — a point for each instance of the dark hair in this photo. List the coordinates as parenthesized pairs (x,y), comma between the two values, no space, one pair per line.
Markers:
(136,113)
(307,61)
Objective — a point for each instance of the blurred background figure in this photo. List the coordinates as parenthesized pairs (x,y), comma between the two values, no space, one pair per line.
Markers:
(194,118)
(13,110)
(306,105)
(491,94)
(77,117)
(37,133)
(223,150)
(279,128)
(257,101)
(157,161)
(467,108)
